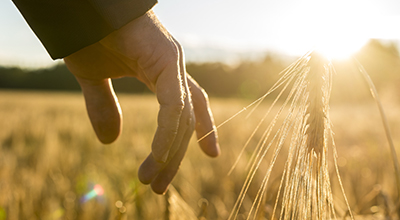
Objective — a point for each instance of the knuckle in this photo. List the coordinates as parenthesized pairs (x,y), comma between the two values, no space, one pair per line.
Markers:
(177,107)
(188,117)
(179,47)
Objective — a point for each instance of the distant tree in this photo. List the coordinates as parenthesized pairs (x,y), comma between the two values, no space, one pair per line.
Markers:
(249,79)
(57,78)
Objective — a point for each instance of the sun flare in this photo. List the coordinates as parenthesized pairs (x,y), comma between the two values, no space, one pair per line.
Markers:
(339,49)
(328,27)
(337,37)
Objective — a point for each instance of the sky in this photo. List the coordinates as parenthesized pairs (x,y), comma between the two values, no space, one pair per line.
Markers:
(225,29)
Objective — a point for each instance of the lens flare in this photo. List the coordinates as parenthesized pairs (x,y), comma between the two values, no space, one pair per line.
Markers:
(95,192)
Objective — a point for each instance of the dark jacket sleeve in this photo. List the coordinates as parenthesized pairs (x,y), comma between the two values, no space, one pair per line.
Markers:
(66,26)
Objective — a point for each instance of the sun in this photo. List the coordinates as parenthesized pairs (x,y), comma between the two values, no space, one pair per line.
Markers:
(338,37)
(336,29)
(336,48)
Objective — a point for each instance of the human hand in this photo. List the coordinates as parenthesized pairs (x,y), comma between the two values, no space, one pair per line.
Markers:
(144,49)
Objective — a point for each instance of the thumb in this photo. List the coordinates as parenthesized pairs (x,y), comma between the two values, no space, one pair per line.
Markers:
(103,108)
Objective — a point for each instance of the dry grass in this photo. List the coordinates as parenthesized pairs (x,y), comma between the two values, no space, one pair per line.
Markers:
(50,159)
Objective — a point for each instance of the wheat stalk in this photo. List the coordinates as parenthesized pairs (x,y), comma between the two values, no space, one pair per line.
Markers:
(305,185)
(374,94)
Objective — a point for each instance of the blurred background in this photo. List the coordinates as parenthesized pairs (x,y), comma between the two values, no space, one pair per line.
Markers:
(242,44)
(53,167)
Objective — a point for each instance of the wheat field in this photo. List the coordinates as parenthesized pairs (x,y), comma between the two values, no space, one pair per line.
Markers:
(53,167)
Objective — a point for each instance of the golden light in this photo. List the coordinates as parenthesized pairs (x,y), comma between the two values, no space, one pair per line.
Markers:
(339,35)
(343,49)
(339,38)
(336,29)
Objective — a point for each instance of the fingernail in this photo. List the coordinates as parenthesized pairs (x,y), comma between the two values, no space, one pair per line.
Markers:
(165,157)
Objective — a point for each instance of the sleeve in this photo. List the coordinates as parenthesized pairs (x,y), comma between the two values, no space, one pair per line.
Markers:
(66,26)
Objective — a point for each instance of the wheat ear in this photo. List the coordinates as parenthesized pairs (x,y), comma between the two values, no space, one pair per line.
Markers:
(307,193)
(305,184)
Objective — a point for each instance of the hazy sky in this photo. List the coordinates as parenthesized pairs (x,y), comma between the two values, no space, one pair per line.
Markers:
(286,26)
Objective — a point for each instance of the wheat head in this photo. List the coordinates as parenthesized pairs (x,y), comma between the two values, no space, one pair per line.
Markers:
(305,190)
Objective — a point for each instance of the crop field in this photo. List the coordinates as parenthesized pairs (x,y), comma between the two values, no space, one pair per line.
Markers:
(53,167)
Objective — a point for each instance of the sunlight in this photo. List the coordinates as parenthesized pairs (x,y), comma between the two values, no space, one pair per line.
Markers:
(339,37)
(337,47)
(336,29)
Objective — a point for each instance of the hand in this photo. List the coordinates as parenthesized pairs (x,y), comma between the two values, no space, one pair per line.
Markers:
(144,49)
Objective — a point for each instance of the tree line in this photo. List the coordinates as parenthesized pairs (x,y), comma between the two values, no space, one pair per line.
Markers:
(248,79)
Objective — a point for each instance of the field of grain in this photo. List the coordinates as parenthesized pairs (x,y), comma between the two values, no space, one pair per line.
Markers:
(53,167)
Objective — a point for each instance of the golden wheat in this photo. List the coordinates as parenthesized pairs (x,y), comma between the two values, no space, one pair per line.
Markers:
(305,190)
